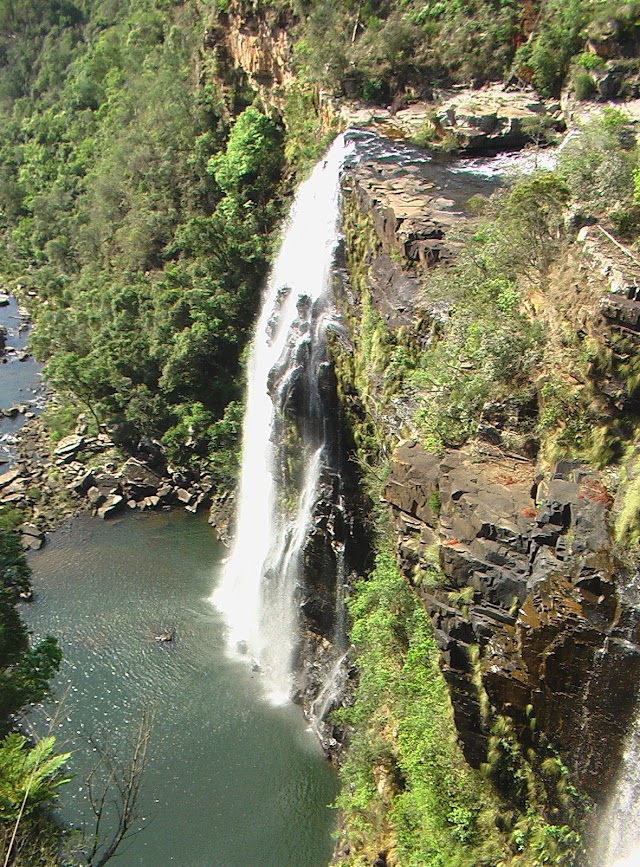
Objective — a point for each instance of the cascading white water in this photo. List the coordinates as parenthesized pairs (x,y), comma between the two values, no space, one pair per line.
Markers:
(257,593)
(621,846)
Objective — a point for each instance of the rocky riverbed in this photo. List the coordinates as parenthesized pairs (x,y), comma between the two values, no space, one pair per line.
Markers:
(84,472)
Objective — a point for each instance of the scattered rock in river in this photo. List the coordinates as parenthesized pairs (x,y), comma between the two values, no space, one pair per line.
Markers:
(112,505)
(33,537)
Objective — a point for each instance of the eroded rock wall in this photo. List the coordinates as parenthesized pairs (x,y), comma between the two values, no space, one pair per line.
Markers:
(513,560)
(528,575)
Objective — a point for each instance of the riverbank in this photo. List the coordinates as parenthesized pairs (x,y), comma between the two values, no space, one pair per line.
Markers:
(50,482)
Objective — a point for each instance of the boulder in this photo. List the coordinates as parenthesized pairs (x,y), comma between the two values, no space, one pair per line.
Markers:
(492,119)
(69,446)
(82,483)
(9,477)
(184,496)
(112,505)
(32,543)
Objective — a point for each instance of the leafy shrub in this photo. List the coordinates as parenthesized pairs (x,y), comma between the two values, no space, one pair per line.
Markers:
(599,162)
(588,60)
(557,38)
(403,724)
(29,776)
(584,86)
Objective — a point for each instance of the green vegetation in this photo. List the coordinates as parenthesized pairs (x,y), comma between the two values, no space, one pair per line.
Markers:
(406,786)
(137,211)
(598,165)
(628,520)
(30,774)
(380,50)
(24,672)
(140,185)
(509,335)
(29,777)
(138,199)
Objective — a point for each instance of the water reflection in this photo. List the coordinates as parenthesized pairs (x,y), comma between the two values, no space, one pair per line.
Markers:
(232,781)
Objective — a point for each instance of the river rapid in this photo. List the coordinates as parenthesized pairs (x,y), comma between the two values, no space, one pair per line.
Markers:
(232,781)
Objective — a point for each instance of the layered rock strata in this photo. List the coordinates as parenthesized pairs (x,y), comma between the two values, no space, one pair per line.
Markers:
(513,561)
(526,574)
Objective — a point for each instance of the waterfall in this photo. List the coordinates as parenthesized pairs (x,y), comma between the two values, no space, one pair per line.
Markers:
(621,846)
(283,434)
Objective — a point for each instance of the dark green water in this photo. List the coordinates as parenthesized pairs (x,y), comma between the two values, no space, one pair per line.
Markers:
(232,781)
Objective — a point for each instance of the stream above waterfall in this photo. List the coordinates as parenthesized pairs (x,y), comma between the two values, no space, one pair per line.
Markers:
(232,781)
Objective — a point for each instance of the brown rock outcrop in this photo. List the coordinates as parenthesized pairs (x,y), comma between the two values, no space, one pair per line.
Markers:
(491,119)
(257,45)
(528,576)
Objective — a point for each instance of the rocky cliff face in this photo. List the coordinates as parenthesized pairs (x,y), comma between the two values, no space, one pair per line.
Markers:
(525,566)
(259,46)
(527,575)
(513,560)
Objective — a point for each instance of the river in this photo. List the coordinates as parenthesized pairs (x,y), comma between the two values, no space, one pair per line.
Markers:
(232,781)
(20,382)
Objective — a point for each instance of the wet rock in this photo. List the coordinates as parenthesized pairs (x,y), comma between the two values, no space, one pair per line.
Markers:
(5,300)
(411,219)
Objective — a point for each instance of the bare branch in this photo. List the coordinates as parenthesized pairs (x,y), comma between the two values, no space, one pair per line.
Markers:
(118,783)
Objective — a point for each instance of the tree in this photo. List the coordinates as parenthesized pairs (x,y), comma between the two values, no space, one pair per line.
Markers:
(116,783)
(24,672)
(252,162)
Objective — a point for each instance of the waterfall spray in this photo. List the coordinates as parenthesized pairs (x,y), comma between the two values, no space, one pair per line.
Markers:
(620,846)
(282,461)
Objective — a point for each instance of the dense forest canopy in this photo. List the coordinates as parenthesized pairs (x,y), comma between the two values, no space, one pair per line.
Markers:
(143,232)
(141,179)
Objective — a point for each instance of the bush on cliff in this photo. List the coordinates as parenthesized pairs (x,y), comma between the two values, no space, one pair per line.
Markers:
(487,347)
(406,786)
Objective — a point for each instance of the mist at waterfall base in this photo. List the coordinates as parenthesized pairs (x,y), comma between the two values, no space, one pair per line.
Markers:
(231,781)
(258,591)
